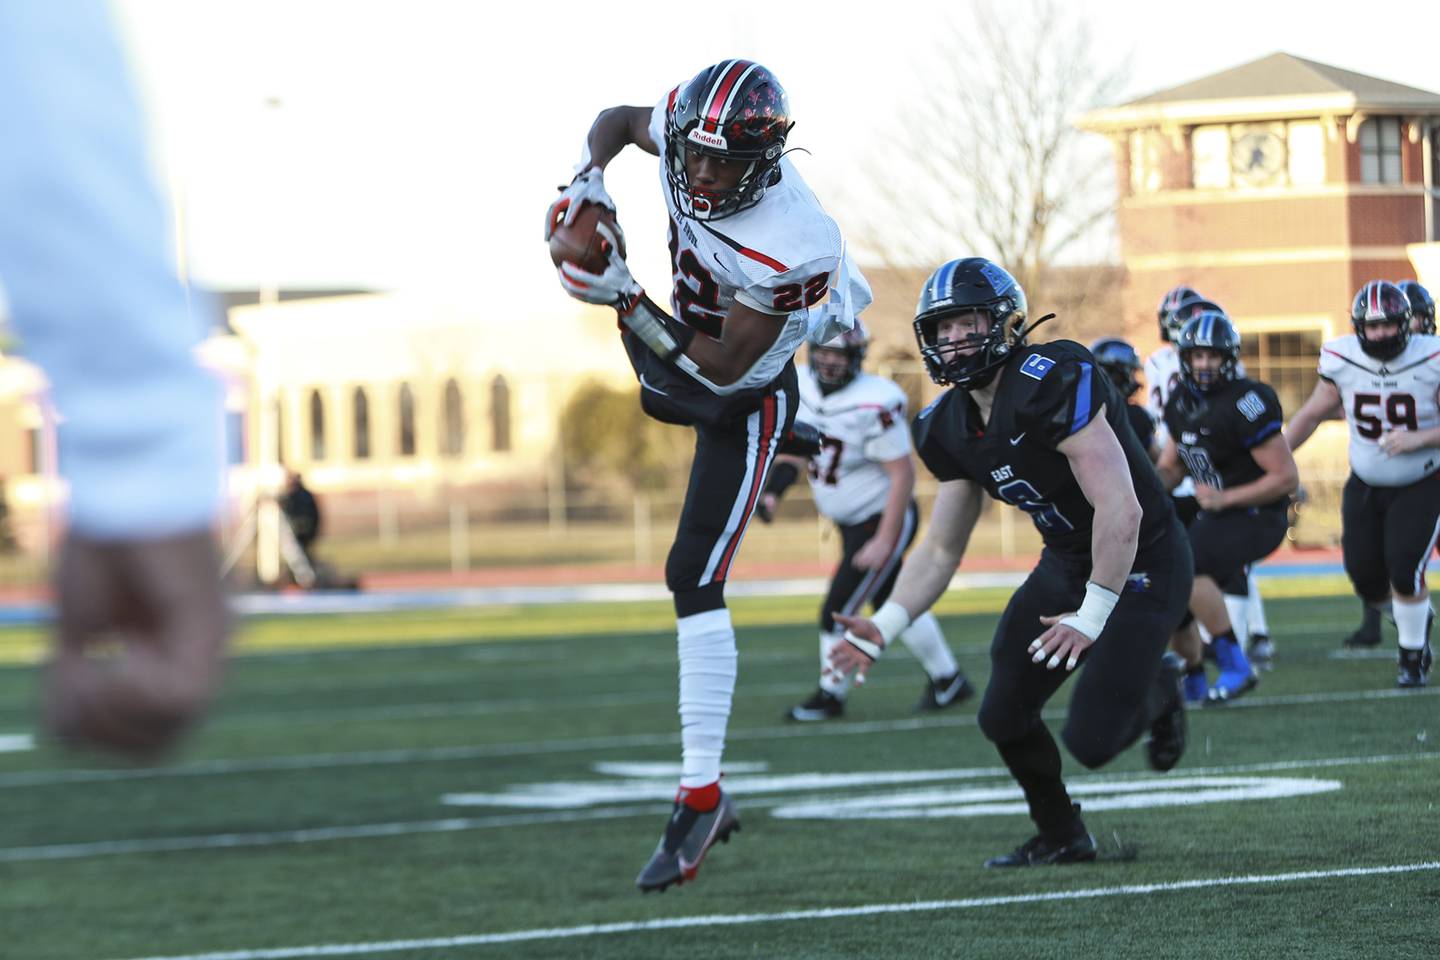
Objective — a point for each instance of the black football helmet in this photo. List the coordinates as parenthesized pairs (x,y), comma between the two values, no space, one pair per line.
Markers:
(852,343)
(961,286)
(1422,306)
(1186,310)
(1210,329)
(1168,303)
(1380,301)
(1120,362)
(735,110)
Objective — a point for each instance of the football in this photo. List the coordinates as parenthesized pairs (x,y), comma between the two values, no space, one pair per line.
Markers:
(580,243)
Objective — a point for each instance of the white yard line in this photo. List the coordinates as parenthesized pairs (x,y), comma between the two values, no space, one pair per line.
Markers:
(786,916)
(366,758)
(103,848)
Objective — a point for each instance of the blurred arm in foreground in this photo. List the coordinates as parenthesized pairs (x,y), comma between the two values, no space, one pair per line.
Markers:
(85,261)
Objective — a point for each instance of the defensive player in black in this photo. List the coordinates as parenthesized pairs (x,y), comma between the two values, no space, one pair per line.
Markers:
(1121,364)
(1041,428)
(1226,433)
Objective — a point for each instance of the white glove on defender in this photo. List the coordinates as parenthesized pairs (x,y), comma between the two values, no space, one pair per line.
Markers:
(587,187)
(613,288)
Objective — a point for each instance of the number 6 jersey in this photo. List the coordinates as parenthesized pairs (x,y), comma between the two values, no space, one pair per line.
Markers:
(1380,396)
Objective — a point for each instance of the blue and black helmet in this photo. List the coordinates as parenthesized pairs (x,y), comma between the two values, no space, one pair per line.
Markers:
(972,284)
(1210,330)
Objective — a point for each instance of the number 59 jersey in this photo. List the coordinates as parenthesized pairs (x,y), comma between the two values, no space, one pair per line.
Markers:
(781,256)
(1380,396)
(864,425)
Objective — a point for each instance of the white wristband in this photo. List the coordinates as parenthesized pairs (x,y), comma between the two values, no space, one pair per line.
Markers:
(891,620)
(1090,618)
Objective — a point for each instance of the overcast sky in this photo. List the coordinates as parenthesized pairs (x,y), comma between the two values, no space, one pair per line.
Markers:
(416,143)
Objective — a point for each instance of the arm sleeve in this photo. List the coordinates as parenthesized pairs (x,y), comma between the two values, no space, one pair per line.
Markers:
(1330,364)
(657,121)
(85,258)
(1068,396)
(1259,416)
(798,288)
(890,439)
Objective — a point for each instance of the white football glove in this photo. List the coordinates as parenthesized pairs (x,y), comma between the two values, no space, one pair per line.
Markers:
(613,288)
(587,187)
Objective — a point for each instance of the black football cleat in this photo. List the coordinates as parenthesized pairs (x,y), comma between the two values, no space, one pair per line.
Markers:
(688,837)
(803,440)
(1166,743)
(1367,635)
(822,705)
(1414,667)
(945,692)
(1039,852)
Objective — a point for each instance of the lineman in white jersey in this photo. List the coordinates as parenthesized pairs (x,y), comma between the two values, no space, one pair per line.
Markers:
(863,479)
(753,258)
(1162,374)
(1386,381)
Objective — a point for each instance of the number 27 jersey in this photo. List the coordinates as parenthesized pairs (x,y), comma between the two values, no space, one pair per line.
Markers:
(1381,396)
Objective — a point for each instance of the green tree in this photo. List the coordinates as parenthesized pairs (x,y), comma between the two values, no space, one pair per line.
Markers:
(608,438)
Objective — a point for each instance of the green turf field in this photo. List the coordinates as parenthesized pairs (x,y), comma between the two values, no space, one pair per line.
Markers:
(309,819)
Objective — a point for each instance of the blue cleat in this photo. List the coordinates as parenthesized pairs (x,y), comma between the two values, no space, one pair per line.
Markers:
(1236,674)
(1197,688)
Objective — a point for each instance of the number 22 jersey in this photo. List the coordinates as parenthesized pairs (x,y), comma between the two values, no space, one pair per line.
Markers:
(781,256)
(1384,395)
(1048,393)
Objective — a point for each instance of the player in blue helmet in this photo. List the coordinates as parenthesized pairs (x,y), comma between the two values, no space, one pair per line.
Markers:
(1039,427)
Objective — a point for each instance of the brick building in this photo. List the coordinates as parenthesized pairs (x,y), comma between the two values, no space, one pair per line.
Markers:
(1277,188)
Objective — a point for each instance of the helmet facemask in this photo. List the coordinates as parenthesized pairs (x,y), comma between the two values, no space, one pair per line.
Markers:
(735,111)
(1209,330)
(1380,303)
(973,369)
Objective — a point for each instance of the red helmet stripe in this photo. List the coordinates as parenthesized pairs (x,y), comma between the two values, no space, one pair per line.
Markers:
(724,90)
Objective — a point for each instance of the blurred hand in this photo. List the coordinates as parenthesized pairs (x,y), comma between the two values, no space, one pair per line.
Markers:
(765,509)
(845,657)
(1209,498)
(873,554)
(141,628)
(1060,644)
(1399,441)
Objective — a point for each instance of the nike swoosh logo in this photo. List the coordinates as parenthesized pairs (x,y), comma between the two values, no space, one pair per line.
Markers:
(1016,440)
(653,389)
(943,697)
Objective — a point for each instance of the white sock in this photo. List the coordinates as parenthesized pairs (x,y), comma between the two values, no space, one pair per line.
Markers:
(1238,609)
(830,680)
(708,657)
(1410,619)
(1256,609)
(927,643)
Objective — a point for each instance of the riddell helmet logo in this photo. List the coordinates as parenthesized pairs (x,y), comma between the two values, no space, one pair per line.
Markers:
(708,139)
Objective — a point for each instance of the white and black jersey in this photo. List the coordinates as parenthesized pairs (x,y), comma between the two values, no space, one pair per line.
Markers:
(1384,395)
(864,426)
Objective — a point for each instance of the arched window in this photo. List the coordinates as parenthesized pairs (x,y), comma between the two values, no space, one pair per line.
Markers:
(452,435)
(317,426)
(407,421)
(499,415)
(360,412)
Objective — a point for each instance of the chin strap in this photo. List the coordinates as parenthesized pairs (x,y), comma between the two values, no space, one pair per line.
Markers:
(1002,350)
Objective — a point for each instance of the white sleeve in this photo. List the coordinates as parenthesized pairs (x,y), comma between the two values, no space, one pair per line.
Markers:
(657,121)
(85,259)
(891,437)
(798,288)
